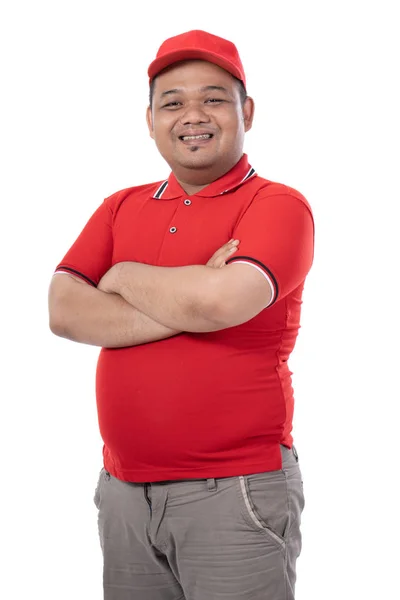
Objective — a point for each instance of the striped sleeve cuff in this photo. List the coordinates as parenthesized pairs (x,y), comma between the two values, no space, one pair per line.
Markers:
(263,270)
(69,271)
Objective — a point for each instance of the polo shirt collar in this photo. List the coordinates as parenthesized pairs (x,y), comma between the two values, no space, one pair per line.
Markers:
(241,172)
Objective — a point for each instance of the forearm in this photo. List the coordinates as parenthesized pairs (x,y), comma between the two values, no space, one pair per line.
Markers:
(183,298)
(84,314)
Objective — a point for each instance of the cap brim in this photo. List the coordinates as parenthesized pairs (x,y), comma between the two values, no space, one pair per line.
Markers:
(159,64)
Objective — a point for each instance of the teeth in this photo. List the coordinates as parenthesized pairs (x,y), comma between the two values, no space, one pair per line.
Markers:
(205,136)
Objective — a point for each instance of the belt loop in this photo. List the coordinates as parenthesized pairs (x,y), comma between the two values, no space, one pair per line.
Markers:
(212,485)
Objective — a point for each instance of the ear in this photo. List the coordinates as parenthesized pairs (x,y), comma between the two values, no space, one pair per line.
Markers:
(248,113)
(149,119)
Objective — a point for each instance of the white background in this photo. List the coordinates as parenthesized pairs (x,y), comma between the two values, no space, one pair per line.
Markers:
(324,77)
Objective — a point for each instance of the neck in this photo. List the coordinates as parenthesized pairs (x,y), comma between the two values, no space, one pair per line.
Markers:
(193,181)
(191,189)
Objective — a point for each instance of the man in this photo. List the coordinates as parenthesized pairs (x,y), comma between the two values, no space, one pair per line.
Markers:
(200,496)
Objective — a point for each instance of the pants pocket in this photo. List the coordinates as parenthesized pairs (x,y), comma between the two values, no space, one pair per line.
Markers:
(97,493)
(265,504)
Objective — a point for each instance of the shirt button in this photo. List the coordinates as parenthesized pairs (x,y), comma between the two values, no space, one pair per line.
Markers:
(187,202)
(172,230)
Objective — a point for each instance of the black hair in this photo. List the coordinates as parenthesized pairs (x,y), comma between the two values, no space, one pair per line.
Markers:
(242,90)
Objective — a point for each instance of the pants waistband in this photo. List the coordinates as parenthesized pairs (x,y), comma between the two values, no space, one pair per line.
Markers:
(211,483)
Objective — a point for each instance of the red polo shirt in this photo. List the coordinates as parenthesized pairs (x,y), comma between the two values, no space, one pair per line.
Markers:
(200,405)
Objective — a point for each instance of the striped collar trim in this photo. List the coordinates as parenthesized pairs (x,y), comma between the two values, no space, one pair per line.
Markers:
(161,189)
(239,174)
(245,178)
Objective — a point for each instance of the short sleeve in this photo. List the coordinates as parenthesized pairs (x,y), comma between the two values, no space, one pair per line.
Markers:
(90,256)
(276,236)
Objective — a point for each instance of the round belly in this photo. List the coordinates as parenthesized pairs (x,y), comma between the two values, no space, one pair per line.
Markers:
(185,392)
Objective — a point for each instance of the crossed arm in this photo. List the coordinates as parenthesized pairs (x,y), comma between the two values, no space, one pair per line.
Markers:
(193,298)
(135,303)
(82,313)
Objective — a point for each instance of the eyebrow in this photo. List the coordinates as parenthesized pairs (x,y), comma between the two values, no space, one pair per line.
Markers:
(206,88)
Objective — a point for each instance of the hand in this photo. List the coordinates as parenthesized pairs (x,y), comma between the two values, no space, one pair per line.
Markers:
(217,261)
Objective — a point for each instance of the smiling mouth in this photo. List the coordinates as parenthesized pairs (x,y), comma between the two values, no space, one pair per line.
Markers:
(196,138)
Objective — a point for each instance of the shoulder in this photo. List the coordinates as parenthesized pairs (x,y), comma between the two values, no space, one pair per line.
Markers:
(138,193)
(272,189)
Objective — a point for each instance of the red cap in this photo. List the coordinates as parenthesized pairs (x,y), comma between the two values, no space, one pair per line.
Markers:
(201,45)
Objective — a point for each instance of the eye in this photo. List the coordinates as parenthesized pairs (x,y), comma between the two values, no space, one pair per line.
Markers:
(173,104)
(215,100)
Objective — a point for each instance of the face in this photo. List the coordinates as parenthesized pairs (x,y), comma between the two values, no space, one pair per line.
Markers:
(198,121)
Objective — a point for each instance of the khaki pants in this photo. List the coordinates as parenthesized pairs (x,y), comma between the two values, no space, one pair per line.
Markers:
(232,538)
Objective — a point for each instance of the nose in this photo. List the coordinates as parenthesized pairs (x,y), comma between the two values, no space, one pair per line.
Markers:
(195,113)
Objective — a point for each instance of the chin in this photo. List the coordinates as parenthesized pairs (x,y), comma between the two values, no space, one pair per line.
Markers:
(196,160)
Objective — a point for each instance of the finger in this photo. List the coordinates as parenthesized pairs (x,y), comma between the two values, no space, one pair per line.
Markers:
(226,248)
(220,260)
(223,263)
(222,253)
